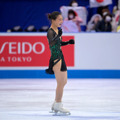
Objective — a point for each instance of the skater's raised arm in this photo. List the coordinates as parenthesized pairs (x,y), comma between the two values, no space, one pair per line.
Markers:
(71,41)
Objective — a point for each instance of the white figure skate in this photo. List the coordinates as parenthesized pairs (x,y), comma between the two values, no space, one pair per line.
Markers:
(52,109)
(58,109)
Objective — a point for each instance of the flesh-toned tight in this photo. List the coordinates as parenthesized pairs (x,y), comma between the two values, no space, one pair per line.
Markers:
(61,78)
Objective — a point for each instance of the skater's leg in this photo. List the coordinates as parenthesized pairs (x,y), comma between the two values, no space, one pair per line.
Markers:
(61,81)
(61,78)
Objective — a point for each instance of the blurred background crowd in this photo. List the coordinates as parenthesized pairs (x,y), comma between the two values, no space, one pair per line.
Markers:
(78,15)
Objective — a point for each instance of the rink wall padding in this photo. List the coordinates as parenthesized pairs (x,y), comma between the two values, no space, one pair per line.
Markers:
(26,55)
(40,74)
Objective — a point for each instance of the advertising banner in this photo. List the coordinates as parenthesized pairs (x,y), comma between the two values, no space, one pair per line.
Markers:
(30,51)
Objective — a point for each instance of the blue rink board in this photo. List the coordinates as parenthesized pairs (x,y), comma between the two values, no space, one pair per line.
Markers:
(4,74)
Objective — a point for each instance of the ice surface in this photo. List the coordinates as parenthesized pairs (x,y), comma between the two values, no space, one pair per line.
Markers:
(87,99)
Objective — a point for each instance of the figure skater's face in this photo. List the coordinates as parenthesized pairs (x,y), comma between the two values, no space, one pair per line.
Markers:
(58,22)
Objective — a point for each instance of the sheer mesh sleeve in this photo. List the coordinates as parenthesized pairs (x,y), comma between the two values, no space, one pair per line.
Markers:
(52,37)
(64,43)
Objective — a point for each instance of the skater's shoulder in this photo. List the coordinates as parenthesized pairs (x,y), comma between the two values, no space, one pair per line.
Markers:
(50,32)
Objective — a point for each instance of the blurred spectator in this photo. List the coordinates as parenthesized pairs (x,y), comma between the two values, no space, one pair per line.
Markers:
(72,23)
(116,18)
(93,22)
(73,3)
(105,24)
(74,16)
(102,10)
(115,8)
(118,27)
(31,28)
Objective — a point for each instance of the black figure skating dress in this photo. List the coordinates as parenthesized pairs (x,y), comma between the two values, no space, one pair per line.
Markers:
(55,44)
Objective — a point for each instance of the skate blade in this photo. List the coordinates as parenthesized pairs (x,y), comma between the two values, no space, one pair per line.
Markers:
(52,111)
(61,114)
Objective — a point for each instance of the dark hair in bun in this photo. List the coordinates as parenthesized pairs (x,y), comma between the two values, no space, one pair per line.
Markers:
(53,15)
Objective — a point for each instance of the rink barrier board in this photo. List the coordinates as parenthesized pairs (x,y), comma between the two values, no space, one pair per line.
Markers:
(40,74)
(94,55)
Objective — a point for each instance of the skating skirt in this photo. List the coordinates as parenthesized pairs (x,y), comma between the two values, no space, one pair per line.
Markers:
(52,63)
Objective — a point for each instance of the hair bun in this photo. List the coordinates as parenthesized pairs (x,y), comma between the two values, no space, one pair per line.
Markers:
(49,16)
(53,15)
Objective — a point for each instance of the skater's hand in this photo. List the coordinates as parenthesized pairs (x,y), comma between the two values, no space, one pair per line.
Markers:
(71,41)
(60,32)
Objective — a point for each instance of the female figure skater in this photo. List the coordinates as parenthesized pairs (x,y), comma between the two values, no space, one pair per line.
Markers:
(57,64)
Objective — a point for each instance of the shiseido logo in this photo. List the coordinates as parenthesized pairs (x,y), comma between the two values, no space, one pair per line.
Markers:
(22,47)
